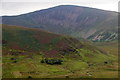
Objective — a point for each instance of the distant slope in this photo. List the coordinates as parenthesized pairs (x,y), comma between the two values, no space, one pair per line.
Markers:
(109,47)
(77,21)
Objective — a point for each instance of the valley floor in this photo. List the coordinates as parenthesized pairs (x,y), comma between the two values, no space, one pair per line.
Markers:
(27,66)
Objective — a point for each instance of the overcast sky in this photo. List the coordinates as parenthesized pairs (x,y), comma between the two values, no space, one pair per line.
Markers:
(16,7)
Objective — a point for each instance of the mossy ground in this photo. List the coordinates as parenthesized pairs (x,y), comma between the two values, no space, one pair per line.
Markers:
(30,65)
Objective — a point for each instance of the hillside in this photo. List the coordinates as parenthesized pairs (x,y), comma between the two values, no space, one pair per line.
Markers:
(77,21)
(35,40)
(25,49)
(109,47)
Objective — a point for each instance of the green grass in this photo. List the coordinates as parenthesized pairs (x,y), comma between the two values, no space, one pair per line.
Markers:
(31,66)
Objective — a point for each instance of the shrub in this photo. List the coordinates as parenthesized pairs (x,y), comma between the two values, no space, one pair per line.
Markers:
(29,77)
(13,59)
(105,62)
(67,76)
(51,61)
(4,42)
(42,61)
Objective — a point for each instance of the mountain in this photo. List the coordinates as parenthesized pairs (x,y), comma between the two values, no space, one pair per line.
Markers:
(25,51)
(77,21)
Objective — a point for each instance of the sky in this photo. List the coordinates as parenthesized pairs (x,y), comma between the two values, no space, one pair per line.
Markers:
(17,7)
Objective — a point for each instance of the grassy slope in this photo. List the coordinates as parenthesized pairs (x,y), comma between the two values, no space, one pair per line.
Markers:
(109,47)
(36,44)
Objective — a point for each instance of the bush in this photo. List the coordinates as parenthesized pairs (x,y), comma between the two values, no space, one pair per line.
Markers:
(4,42)
(67,76)
(29,77)
(51,61)
(13,59)
(42,61)
(105,62)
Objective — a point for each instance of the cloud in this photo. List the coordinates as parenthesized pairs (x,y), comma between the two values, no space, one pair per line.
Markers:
(16,7)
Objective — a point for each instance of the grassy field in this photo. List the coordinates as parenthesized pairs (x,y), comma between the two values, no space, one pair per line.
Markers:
(31,66)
